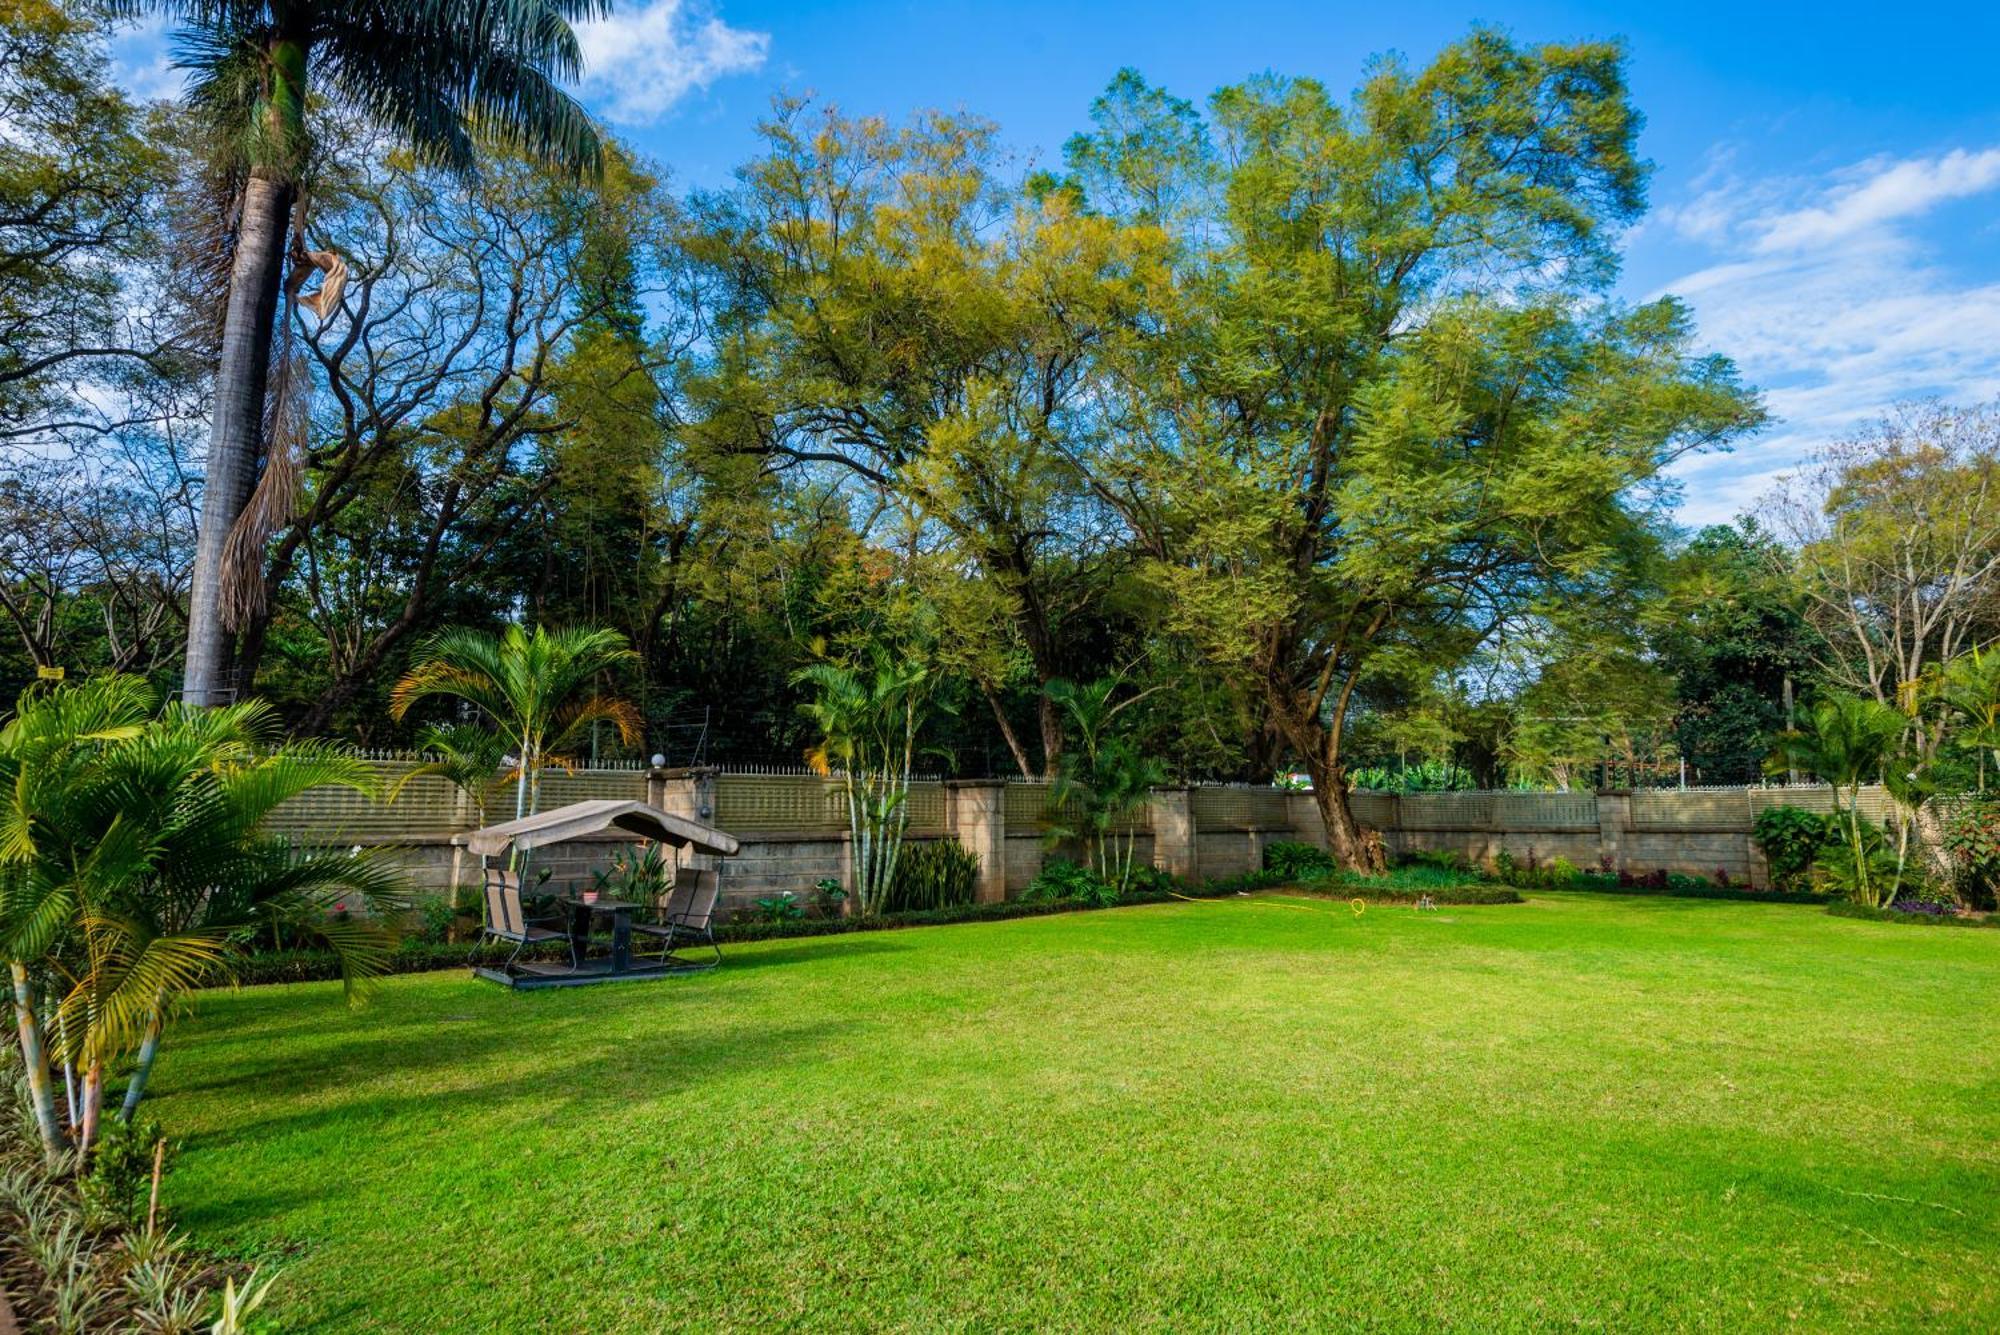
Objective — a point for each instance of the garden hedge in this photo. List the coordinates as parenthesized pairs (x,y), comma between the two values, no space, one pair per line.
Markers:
(1844,909)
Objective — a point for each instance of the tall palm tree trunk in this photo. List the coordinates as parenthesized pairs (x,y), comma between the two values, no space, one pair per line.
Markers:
(149,1049)
(237,426)
(93,1104)
(35,1054)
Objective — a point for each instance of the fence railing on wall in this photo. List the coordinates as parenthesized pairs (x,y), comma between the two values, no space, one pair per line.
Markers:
(808,803)
(1232,808)
(1661,810)
(429,805)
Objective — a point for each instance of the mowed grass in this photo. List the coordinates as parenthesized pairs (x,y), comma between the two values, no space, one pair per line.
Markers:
(1609,1112)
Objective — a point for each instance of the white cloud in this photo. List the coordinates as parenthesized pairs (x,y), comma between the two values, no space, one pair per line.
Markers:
(640,61)
(1882,192)
(1828,294)
(142,63)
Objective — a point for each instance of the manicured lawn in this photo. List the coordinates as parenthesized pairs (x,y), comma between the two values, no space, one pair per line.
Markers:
(1612,1112)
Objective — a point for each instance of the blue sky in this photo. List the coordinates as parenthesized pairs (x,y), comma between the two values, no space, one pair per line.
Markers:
(1827,195)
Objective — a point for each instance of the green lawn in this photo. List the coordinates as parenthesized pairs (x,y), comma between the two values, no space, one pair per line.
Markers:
(1613,1112)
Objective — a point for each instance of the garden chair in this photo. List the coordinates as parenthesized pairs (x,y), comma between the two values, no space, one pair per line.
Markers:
(506,920)
(689,918)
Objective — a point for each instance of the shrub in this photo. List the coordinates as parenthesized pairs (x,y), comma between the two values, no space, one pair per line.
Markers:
(778,908)
(1972,841)
(74,1250)
(435,919)
(1840,870)
(1531,873)
(1791,839)
(1061,879)
(829,897)
(118,1186)
(1444,859)
(1928,915)
(934,875)
(1151,881)
(1298,861)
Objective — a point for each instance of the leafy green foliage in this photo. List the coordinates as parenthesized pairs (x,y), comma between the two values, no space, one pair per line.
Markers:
(1103,781)
(870,718)
(783,907)
(536,690)
(1298,861)
(80,1257)
(1531,871)
(933,874)
(1972,839)
(1386,344)
(119,1181)
(1729,632)
(1791,839)
(1849,741)
(1061,879)
(132,861)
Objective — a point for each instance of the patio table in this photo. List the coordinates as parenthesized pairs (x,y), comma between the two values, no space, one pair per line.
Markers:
(580,911)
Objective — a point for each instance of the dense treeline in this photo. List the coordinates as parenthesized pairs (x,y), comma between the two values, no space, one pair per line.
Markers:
(1311,421)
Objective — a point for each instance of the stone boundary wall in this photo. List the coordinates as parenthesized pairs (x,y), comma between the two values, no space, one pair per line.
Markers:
(1697,831)
(793,827)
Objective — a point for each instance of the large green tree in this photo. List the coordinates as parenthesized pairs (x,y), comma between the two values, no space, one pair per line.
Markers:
(79,186)
(433,74)
(890,310)
(1730,631)
(1386,409)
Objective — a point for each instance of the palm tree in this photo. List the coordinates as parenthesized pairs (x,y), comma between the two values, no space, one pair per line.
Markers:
(1105,778)
(1849,741)
(469,758)
(132,861)
(870,719)
(434,73)
(1971,690)
(536,690)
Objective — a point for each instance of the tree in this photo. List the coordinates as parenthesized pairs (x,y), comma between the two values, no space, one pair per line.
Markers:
(461,332)
(1105,778)
(1897,532)
(1969,689)
(537,690)
(870,718)
(469,757)
(1385,410)
(1850,741)
(79,189)
(132,860)
(433,74)
(1728,628)
(890,311)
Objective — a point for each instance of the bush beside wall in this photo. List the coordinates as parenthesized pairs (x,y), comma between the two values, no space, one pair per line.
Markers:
(1844,909)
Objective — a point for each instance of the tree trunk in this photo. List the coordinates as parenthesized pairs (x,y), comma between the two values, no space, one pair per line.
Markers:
(149,1048)
(1007,734)
(237,432)
(1353,847)
(35,1055)
(1050,718)
(93,1107)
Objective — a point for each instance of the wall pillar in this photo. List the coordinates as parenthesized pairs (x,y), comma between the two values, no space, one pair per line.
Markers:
(1614,822)
(1172,812)
(690,794)
(976,813)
